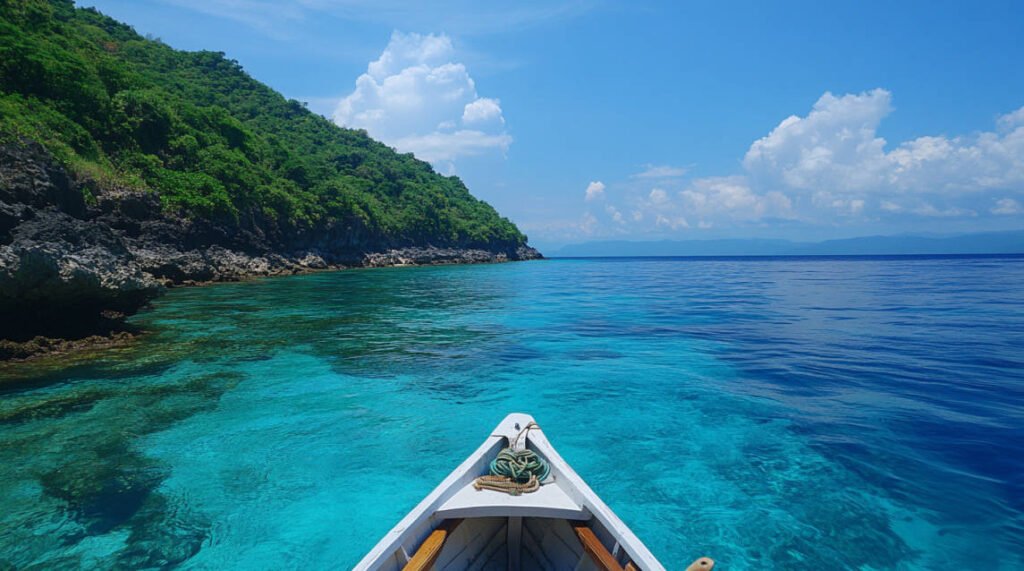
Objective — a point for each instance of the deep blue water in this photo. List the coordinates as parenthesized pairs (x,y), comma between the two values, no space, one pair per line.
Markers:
(789,413)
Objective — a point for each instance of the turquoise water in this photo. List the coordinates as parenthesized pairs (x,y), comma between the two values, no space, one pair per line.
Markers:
(772,414)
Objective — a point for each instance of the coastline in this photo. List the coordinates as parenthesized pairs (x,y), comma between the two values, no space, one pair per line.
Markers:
(110,330)
(77,258)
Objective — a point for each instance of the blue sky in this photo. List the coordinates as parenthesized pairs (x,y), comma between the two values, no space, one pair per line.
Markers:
(686,120)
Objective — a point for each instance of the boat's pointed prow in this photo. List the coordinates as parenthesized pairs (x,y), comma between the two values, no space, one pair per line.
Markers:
(515,428)
(555,522)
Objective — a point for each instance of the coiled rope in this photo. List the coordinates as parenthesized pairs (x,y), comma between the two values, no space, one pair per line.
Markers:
(515,472)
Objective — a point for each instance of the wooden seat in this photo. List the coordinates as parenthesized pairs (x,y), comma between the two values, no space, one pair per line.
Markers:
(426,555)
(606,561)
(594,548)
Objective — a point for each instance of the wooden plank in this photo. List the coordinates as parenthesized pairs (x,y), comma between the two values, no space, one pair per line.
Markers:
(631,567)
(514,542)
(594,548)
(558,541)
(535,533)
(702,564)
(426,555)
(492,555)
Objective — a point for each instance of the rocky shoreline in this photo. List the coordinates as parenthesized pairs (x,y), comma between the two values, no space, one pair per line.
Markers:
(71,268)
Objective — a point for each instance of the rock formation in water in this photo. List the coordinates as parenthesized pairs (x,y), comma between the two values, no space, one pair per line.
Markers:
(69,268)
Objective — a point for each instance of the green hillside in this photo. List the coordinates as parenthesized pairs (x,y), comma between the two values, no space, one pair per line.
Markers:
(122,111)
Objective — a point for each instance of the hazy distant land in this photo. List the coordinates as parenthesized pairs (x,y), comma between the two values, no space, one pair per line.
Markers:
(982,243)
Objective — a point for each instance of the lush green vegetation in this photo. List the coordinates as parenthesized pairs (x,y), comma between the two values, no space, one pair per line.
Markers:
(121,110)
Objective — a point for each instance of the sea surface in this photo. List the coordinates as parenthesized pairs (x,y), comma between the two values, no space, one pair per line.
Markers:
(779,413)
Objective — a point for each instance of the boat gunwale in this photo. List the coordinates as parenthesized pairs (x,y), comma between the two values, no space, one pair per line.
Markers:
(577,488)
(426,508)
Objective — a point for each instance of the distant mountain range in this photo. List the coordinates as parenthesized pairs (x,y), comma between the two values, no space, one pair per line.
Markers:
(982,243)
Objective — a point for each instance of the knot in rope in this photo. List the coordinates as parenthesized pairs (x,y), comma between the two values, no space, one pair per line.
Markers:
(519,465)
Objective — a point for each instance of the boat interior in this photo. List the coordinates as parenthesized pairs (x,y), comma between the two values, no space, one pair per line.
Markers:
(526,543)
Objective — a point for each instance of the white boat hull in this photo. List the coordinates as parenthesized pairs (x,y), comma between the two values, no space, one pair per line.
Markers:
(501,531)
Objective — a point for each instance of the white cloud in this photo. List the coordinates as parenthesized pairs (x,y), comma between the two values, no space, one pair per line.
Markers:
(836,149)
(595,190)
(671,222)
(707,201)
(439,147)
(702,204)
(731,198)
(1012,120)
(830,167)
(615,214)
(1007,206)
(837,205)
(415,98)
(660,171)
(482,111)
(890,206)
(833,148)
(928,209)
(406,51)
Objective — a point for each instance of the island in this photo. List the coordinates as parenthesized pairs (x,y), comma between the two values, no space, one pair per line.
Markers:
(127,167)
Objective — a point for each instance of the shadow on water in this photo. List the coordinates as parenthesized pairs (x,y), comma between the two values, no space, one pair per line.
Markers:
(76,444)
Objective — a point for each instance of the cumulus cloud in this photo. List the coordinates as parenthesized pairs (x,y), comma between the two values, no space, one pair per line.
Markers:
(731,197)
(595,190)
(415,98)
(483,111)
(833,148)
(1011,121)
(836,149)
(831,167)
